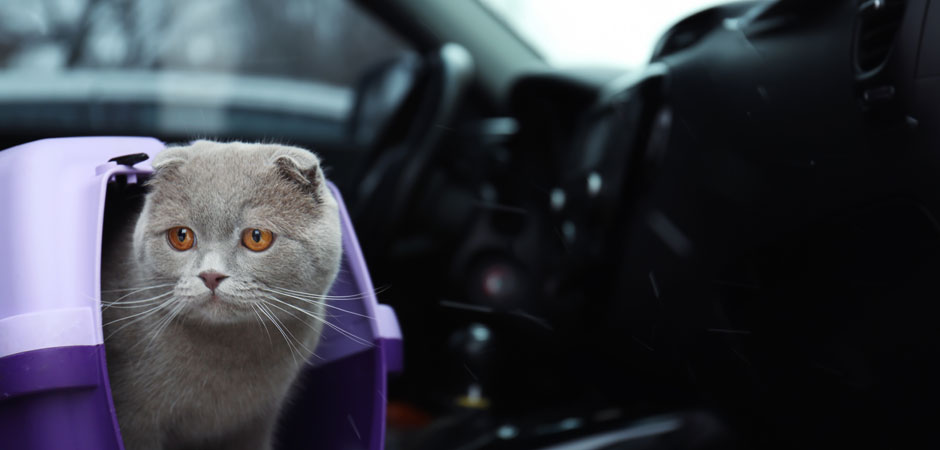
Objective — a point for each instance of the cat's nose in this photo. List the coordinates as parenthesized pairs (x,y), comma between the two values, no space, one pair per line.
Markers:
(212,279)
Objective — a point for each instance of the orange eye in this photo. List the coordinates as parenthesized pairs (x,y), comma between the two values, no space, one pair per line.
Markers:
(256,239)
(181,238)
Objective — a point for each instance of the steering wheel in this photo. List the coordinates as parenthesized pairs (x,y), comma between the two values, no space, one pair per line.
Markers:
(406,143)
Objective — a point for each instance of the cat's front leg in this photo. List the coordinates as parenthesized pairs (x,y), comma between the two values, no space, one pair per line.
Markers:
(256,435)
(139,430)
(142,441)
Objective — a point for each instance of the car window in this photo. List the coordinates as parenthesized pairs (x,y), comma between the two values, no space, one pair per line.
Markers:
(618,34)
(300,57)
(329,41)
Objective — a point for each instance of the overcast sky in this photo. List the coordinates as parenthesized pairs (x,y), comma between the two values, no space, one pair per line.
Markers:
(617,33)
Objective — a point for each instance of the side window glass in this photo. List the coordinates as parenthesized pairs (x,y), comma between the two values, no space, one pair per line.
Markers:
(289,56)
(329,41)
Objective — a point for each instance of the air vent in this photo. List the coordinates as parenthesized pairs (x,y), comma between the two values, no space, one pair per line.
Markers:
(878,24)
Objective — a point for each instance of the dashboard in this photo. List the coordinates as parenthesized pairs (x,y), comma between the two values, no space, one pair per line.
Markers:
(745,230)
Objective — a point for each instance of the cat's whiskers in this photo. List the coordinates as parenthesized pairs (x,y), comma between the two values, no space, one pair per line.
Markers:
(154,298)
(164,322)
(129,305)
(347,297)
(137,289)
(277,325)
(323,303)
(320,298)
(297,341)
(140,315)
(295,318)
(351,336)
(112,303)
(254,308)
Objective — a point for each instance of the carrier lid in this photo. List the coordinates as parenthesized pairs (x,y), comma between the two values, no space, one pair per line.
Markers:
(52,196)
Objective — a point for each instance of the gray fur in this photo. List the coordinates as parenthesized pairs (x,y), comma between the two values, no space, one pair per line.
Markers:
(214,377)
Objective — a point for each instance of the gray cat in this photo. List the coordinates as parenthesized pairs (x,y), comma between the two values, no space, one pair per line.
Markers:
(214,298)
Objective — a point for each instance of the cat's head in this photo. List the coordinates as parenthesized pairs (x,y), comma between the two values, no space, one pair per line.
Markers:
(233,222)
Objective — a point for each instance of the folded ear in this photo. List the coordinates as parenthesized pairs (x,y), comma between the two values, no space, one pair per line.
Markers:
(300,167)
(169,158)
(167,161)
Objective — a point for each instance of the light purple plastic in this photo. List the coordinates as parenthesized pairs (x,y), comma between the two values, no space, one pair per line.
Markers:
(54,390)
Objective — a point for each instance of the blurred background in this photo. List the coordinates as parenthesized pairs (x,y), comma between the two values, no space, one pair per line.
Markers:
(603,224)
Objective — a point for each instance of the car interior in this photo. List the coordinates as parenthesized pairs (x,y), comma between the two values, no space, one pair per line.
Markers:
(732,246)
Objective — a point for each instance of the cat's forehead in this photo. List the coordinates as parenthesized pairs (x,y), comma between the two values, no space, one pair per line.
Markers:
(203,155)
(220,183)
(229,172)
(236,162)
(229,160)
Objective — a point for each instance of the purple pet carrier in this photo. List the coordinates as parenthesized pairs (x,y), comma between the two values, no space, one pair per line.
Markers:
(54,391)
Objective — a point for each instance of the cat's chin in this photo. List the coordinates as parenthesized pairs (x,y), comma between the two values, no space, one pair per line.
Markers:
(218,309)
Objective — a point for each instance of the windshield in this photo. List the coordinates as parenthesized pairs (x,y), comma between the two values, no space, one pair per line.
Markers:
(594,32)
